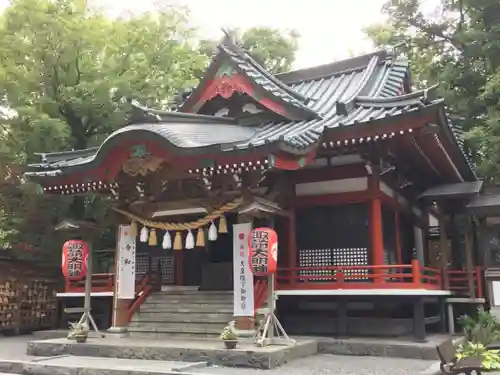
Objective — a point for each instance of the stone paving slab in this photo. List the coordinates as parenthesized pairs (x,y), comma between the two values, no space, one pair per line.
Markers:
(213,352)
(395,348)
(71,365)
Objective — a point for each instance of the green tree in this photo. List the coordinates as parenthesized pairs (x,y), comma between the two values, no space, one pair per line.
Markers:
(457,46)
(67,75)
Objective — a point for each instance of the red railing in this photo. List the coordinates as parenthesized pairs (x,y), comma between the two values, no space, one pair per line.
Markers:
(101,282)
(459,281)
(142,290)
(394,276)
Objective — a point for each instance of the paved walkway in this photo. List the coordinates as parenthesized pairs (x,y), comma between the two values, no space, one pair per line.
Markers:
(14,348)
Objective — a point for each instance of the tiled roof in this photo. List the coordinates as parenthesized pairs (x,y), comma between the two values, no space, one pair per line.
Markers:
(259,76)
(360,90)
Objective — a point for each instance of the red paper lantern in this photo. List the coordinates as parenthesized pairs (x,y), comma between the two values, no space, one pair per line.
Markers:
(263,244)
(74,259)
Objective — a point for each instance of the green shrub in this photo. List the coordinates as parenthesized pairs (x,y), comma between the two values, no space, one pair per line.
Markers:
(480,329)
(491,358)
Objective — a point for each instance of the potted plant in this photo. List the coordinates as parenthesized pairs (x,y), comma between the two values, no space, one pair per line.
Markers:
(228,335)
(79,332)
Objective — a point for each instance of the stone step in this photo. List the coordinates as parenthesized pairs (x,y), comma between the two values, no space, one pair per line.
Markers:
(163,335)
(65,365)
(180,331)
(190,299)
(212,327)
(185,307)
(191,291)
(203,349)
(192,316)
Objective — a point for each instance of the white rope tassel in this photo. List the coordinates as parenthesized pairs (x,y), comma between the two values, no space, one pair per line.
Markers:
(144,235)
(212,232)
(190,240)
(167,241)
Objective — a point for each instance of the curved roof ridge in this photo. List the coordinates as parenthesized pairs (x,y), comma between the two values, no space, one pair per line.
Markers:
(49,157)
(243,53)
(345,105)
(282,92)
(423,97)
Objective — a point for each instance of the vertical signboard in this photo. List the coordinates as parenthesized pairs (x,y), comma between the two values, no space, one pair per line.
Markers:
(242,274)
(126,263)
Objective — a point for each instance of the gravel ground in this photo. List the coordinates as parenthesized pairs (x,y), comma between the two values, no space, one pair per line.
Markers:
(327,364)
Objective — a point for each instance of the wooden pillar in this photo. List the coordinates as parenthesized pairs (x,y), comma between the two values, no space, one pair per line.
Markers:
(443,244)
(377,245)
(469,261)
(342,318)
(376,232)
(179,267)
(419,319)
(397,225)
(292,245)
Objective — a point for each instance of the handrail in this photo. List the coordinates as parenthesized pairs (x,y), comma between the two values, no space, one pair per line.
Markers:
(101,282)
(142,292)
(397,276)
(149,281)
(459,281)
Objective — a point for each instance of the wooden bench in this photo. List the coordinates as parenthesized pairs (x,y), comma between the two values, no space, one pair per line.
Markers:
(450,365)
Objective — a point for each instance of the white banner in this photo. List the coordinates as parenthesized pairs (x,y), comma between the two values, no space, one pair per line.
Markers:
(125,280)
(242,275)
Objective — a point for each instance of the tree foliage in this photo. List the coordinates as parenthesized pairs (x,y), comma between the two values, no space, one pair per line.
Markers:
(458,46)
(67,76)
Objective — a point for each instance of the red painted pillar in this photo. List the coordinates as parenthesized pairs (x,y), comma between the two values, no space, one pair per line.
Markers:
(292,244)
(399,252)
(376,236)
(376,233)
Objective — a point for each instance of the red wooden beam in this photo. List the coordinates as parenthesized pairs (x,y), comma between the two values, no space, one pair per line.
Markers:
(340,172)
(332,199)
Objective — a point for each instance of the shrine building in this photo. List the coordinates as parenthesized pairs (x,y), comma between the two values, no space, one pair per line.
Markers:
(346,161)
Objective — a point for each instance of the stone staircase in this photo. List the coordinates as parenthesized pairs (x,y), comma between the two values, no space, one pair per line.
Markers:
(183,312)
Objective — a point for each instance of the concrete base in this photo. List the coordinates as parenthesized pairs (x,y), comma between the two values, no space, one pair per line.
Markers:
(212,352)
(118,332)
(395,348)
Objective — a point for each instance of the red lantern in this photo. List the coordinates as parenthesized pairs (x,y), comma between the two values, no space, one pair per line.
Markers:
(263,244)
(74,259)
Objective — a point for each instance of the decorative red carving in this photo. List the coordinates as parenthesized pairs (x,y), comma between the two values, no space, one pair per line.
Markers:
(226,87)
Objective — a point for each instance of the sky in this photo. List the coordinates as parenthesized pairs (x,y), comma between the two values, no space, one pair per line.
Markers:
(329,29)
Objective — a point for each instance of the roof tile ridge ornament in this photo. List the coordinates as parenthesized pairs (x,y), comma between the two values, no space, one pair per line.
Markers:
(180,117)
(344,106)
(230,43)
(393,50)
